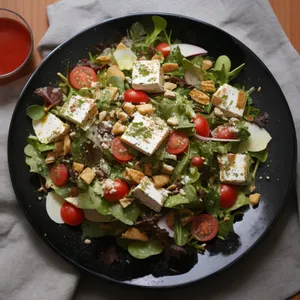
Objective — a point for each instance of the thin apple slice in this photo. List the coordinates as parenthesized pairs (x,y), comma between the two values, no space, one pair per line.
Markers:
(54,203)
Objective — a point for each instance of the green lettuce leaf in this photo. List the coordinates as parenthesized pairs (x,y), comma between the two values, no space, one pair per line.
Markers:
(181,233)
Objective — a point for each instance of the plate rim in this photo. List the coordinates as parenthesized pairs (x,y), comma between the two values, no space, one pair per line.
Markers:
(127,282)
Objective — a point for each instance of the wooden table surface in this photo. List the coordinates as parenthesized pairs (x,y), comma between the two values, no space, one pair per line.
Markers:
(34,11)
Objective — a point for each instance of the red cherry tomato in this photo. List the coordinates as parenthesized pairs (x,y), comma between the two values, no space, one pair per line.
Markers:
(120,151)
(119,191)
(197,161)
(177,142)
(228,195)
(136,96)
(201,126)
(161,48)
(204,227)
(71,214)
(59,175)
(74,191)
(81,77)
(224,133)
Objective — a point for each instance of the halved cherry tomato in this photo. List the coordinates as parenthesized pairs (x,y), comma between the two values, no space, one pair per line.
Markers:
(201,126)
(81,77)
(204,227)
(224,133)
(161,48)
(228,195)
(177,142)
(59,175)
(120,151)
(71,214)
(197,161)
(117,192)
(134,96)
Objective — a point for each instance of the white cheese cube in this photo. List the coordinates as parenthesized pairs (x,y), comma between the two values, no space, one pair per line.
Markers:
(144,134)
(79,110)
(230,100)
(234,168)
(147,76)
(49,128)
(149,195)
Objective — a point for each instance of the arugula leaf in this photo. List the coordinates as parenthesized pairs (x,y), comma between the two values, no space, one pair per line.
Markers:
(35,112)
(137,32)
(142,250)
(175,56)
(261,155)
(180,166)
(160,24)
(181,233)
(195,247)
(225,226)
(235,72)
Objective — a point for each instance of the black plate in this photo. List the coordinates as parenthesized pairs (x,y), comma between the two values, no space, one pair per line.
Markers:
(256,222)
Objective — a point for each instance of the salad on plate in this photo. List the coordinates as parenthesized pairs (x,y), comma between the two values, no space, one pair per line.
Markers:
(148,141)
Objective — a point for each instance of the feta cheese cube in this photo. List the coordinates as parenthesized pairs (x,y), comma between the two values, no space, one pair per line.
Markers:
(149,195)
(230,100)
(144,134)
(234,168)
(80,110)
(147,76)
(50,128)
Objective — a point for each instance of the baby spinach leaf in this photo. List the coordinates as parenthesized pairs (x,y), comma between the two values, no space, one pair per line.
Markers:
(181,233)
(221,61)
(142,250)
(225,226)
(242,200)
(261,155)
(35,112)
(104,207)
(211,201)
(126,215)
(194,175)
(175,200)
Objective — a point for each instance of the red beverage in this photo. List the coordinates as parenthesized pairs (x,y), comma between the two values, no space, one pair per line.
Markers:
(15,44)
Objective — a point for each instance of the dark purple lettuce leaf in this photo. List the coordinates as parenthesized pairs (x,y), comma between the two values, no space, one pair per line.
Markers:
(262,120)
(87,63)
(51,95)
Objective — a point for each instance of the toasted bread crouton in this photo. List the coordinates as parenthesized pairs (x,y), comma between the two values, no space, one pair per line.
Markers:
(77,167)
(160,180)
(134,175)
(129,108)
(88,175)
(134,234)
(254,199)
(118,128)
(145,109)
(170,67)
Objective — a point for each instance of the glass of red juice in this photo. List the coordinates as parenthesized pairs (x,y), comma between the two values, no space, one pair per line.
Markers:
(16,42)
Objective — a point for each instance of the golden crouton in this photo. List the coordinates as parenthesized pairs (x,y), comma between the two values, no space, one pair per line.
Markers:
(169,94)
(77,167)
(207,64)
(170,86)
(88,175)
(50,158)
(145,109)
(118,128)
(63,147)
(207,86)
(121,115)
(134,175)
(158,57)
(148,169)
(134,234)
(115,71)
(170,67)
(160,180)
(129,108)
(112,91)
(251,188)
(254,199)
(199,97)
(103,59)
(126,202)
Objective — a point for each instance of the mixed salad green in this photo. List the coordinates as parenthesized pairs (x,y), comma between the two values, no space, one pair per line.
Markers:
(150,142)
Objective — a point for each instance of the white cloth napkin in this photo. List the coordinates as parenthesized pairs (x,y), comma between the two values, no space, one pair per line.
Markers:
(29,270)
